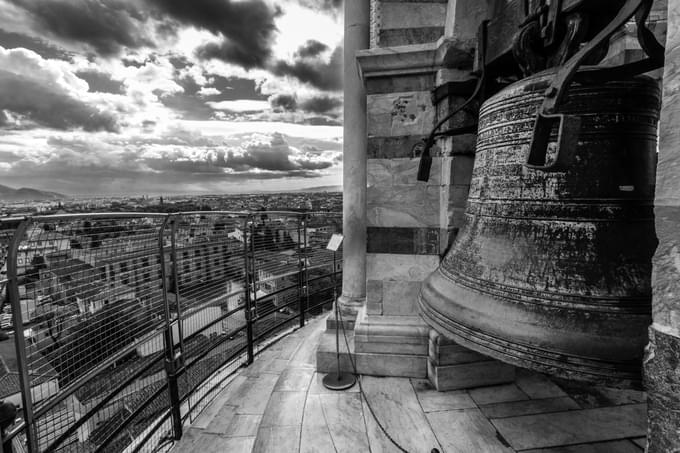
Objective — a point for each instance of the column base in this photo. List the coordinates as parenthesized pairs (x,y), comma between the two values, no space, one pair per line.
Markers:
(349,308)
(454,367)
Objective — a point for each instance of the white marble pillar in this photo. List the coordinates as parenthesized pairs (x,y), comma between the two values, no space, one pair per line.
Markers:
(354,159)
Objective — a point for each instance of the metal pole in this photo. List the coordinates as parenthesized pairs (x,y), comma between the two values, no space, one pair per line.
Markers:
(301,265)
(19,340)
(170,357)
(249,282)
(337,320)
(339,381)
(179,357)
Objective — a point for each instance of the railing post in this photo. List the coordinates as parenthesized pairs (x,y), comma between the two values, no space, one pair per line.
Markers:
(302,290)
(172,361)
(19,340)
(247,236)
(178,307)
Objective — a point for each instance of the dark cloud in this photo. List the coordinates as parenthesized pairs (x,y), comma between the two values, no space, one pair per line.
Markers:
(49,107)
(318,73)
(187,102)
(193,107)
(322,121)
(323,5)
(11,40)
(246,27)
(311,48)
(128,62)
(275,156)
(105,25)
(321,104)
(101,82)
(179,61)
(285,102)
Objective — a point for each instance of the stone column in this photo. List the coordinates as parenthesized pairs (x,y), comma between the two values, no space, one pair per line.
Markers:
(662,373)
(354,160)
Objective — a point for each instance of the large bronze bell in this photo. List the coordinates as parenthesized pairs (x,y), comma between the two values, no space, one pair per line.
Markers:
(552,270)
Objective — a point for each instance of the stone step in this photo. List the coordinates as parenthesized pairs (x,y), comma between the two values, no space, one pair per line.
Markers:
(347,324)
(373,364)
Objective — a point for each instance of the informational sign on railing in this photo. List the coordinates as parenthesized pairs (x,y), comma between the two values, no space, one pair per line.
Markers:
(335,242)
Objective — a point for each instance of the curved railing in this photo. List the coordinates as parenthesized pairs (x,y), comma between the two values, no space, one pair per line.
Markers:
(131,323)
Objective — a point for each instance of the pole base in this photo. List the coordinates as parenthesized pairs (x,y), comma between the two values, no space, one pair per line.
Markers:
(338,381)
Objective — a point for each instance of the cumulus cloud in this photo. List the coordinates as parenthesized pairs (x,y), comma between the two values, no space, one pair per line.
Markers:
(240,105)
(322,5)
(283,102)
(90,92)
(246,28)
(12,40)
(312,48)
(101,82)
(321,104)
(272,155)
(105,25)
(47,93)
(325,75)
(208,91)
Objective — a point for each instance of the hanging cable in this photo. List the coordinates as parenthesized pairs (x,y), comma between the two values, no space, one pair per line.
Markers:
(363,393)
(425,157)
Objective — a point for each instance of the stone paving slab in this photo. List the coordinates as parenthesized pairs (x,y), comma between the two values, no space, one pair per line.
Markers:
(432,401)
(573,427)
(529,407)
(466,431)
(215,406)
(537,386)
(279,439)
(243,425)
(253,395)
(620,446)
(280,405)
(395,403)
(315,436)
(497,394)
(345,420)
(284,409)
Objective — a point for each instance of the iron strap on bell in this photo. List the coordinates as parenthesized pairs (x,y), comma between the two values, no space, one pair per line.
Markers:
(552,268)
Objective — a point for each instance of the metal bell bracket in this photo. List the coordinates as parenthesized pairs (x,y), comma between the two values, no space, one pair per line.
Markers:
(426,145)
(570,125)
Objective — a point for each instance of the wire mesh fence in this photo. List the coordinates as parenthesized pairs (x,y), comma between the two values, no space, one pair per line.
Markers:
(124,326)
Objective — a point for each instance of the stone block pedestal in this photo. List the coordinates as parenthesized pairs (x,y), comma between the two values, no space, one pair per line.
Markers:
(393,346)
(453,367)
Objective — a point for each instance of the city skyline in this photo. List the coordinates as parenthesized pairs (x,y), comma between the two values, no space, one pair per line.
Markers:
(133,97)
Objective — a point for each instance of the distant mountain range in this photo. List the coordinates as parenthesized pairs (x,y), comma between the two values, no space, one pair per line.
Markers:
(320,189)
(27,194)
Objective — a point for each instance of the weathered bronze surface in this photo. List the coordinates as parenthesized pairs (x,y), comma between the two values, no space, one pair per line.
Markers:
(552,271)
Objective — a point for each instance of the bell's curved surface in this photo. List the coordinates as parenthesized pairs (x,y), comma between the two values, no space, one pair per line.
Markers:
(552,271)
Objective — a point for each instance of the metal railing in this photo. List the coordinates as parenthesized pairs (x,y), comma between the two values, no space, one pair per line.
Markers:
(124,326)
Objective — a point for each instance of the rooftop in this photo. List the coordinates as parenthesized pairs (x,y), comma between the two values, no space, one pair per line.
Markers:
(278,404)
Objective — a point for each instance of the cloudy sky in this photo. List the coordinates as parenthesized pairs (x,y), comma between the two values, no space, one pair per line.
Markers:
(170,96)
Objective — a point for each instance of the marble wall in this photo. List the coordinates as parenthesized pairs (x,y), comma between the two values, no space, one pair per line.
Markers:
(404,22)
(404,216)
(662,369)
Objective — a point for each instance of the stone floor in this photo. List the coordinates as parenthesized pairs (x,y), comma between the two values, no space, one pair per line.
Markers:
(280,405)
